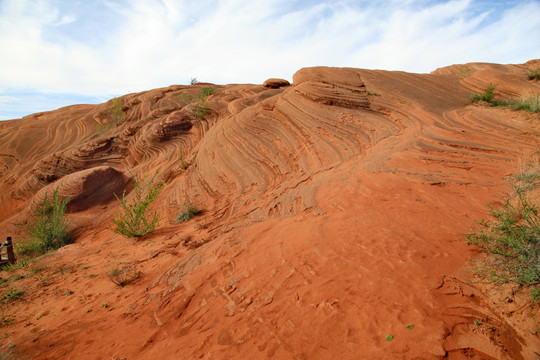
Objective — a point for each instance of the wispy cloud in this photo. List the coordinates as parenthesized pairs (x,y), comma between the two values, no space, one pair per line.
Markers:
(113,47)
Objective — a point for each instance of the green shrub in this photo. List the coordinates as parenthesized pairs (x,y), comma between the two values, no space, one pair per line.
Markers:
(202,105)
(117,110)
(189,213)
(47,228)
(133,219)
(534,74)
(487,96)
(205,92)
(514,241)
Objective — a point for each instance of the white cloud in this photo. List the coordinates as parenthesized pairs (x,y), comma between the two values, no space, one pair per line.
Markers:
(113,47)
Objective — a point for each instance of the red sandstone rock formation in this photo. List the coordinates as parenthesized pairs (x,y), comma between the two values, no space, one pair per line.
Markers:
(335,214)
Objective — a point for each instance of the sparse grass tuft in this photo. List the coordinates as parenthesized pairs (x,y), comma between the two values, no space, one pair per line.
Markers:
(189,213)
(534,74)
(47,228)
(183,163)
(20,264)
(12,294)
(527,103)
(124,274)
(133,219)
(6,320)
(530,103)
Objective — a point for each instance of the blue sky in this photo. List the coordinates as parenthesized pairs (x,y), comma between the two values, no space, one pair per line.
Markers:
(62,52)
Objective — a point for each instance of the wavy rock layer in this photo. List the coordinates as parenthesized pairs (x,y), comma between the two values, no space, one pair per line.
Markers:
(86,188)
(334,213)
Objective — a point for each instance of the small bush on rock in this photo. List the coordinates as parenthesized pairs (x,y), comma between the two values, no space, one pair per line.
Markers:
(117,110)
(133,219)
(47,228)
(513,239)
(486,96)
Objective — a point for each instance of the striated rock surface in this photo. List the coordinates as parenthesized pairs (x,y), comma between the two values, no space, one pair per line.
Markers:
(335,209)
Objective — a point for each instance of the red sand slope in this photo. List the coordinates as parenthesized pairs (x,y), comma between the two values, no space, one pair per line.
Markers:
(335,216)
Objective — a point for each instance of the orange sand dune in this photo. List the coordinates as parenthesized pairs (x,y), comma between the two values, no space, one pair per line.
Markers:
(335,213)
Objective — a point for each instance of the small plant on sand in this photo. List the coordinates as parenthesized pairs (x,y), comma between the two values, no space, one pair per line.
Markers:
(371,93)
(183,163)
(117,110)
(12,294)
(192,243)
(20,264)
(123,274)
(487,96)
(202,105)
(188,213)
(47,228)
(534,74)
(133,219)
(6,319)
(513,239)
(389,337)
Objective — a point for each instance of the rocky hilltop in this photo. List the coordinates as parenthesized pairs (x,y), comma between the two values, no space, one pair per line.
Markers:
(335,209)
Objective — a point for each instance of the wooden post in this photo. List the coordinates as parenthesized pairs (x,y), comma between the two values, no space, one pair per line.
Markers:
(9,249)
